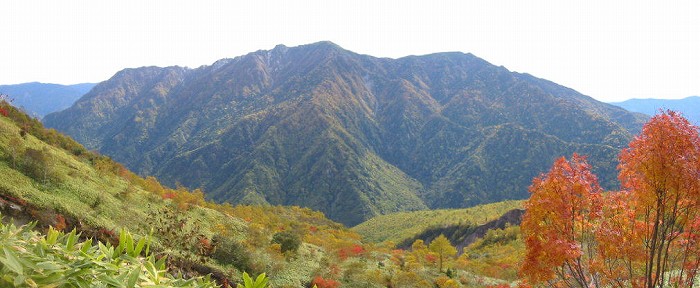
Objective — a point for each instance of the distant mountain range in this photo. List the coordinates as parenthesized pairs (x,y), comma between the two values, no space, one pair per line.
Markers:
(39,99)
(689,106)
(351,135)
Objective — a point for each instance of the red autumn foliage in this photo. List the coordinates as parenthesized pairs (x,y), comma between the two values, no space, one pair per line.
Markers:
(60,222)
(431,258)
(352,251)
(4,100)
(107,236)
(15,200)
(204,246)
(319,282)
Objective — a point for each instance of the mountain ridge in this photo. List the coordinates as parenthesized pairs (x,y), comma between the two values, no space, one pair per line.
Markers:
(689,106)
(351,135)
(39,99)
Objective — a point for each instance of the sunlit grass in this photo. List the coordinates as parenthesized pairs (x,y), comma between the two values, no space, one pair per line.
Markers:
(397,227)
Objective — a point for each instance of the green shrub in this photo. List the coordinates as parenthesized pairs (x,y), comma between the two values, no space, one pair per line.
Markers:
(37,165)
(228,251)
(288,241)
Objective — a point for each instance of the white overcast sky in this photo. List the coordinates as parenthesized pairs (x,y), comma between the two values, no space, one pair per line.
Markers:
(610,50)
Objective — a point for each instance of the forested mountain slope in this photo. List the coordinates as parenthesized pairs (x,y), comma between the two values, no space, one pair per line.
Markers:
(351,135)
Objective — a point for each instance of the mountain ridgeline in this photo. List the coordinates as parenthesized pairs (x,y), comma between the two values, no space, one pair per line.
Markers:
(39,99)
(351,135)
(689,106)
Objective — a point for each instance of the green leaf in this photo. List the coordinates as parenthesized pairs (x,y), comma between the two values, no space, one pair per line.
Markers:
(133,277)
(11,261)
(122,245)
(77,273)
(247,280)
(72,239)
(148,243)
(151,269)
(160,264)
(48,266)
(109,280)
(19,280)
(129,243)
(86,245)
(52,236)
(261,281)
(55,279)
(139,247)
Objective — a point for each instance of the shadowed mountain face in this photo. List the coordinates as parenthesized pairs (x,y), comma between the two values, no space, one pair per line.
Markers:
(350,135)
(39,99)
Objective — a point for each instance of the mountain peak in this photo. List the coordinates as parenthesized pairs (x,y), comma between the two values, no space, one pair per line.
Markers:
(324,43)
(321,47)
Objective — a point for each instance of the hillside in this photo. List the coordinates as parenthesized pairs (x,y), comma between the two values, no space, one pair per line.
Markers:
(351,135)
(402,226)
(39,99)
(487,237)
(689,106)
(47,177)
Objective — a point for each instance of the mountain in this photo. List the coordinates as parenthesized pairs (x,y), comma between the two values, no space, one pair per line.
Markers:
(351,135)
(39,99)
(689,106)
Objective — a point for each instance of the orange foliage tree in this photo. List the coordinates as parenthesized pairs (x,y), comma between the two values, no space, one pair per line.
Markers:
(661,171)
(563,207)
(643,236)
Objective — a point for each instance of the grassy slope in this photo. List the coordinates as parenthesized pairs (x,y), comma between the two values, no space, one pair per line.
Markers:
(496,256)
(108,201)
(83,193)
(399,226)
(98,201)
